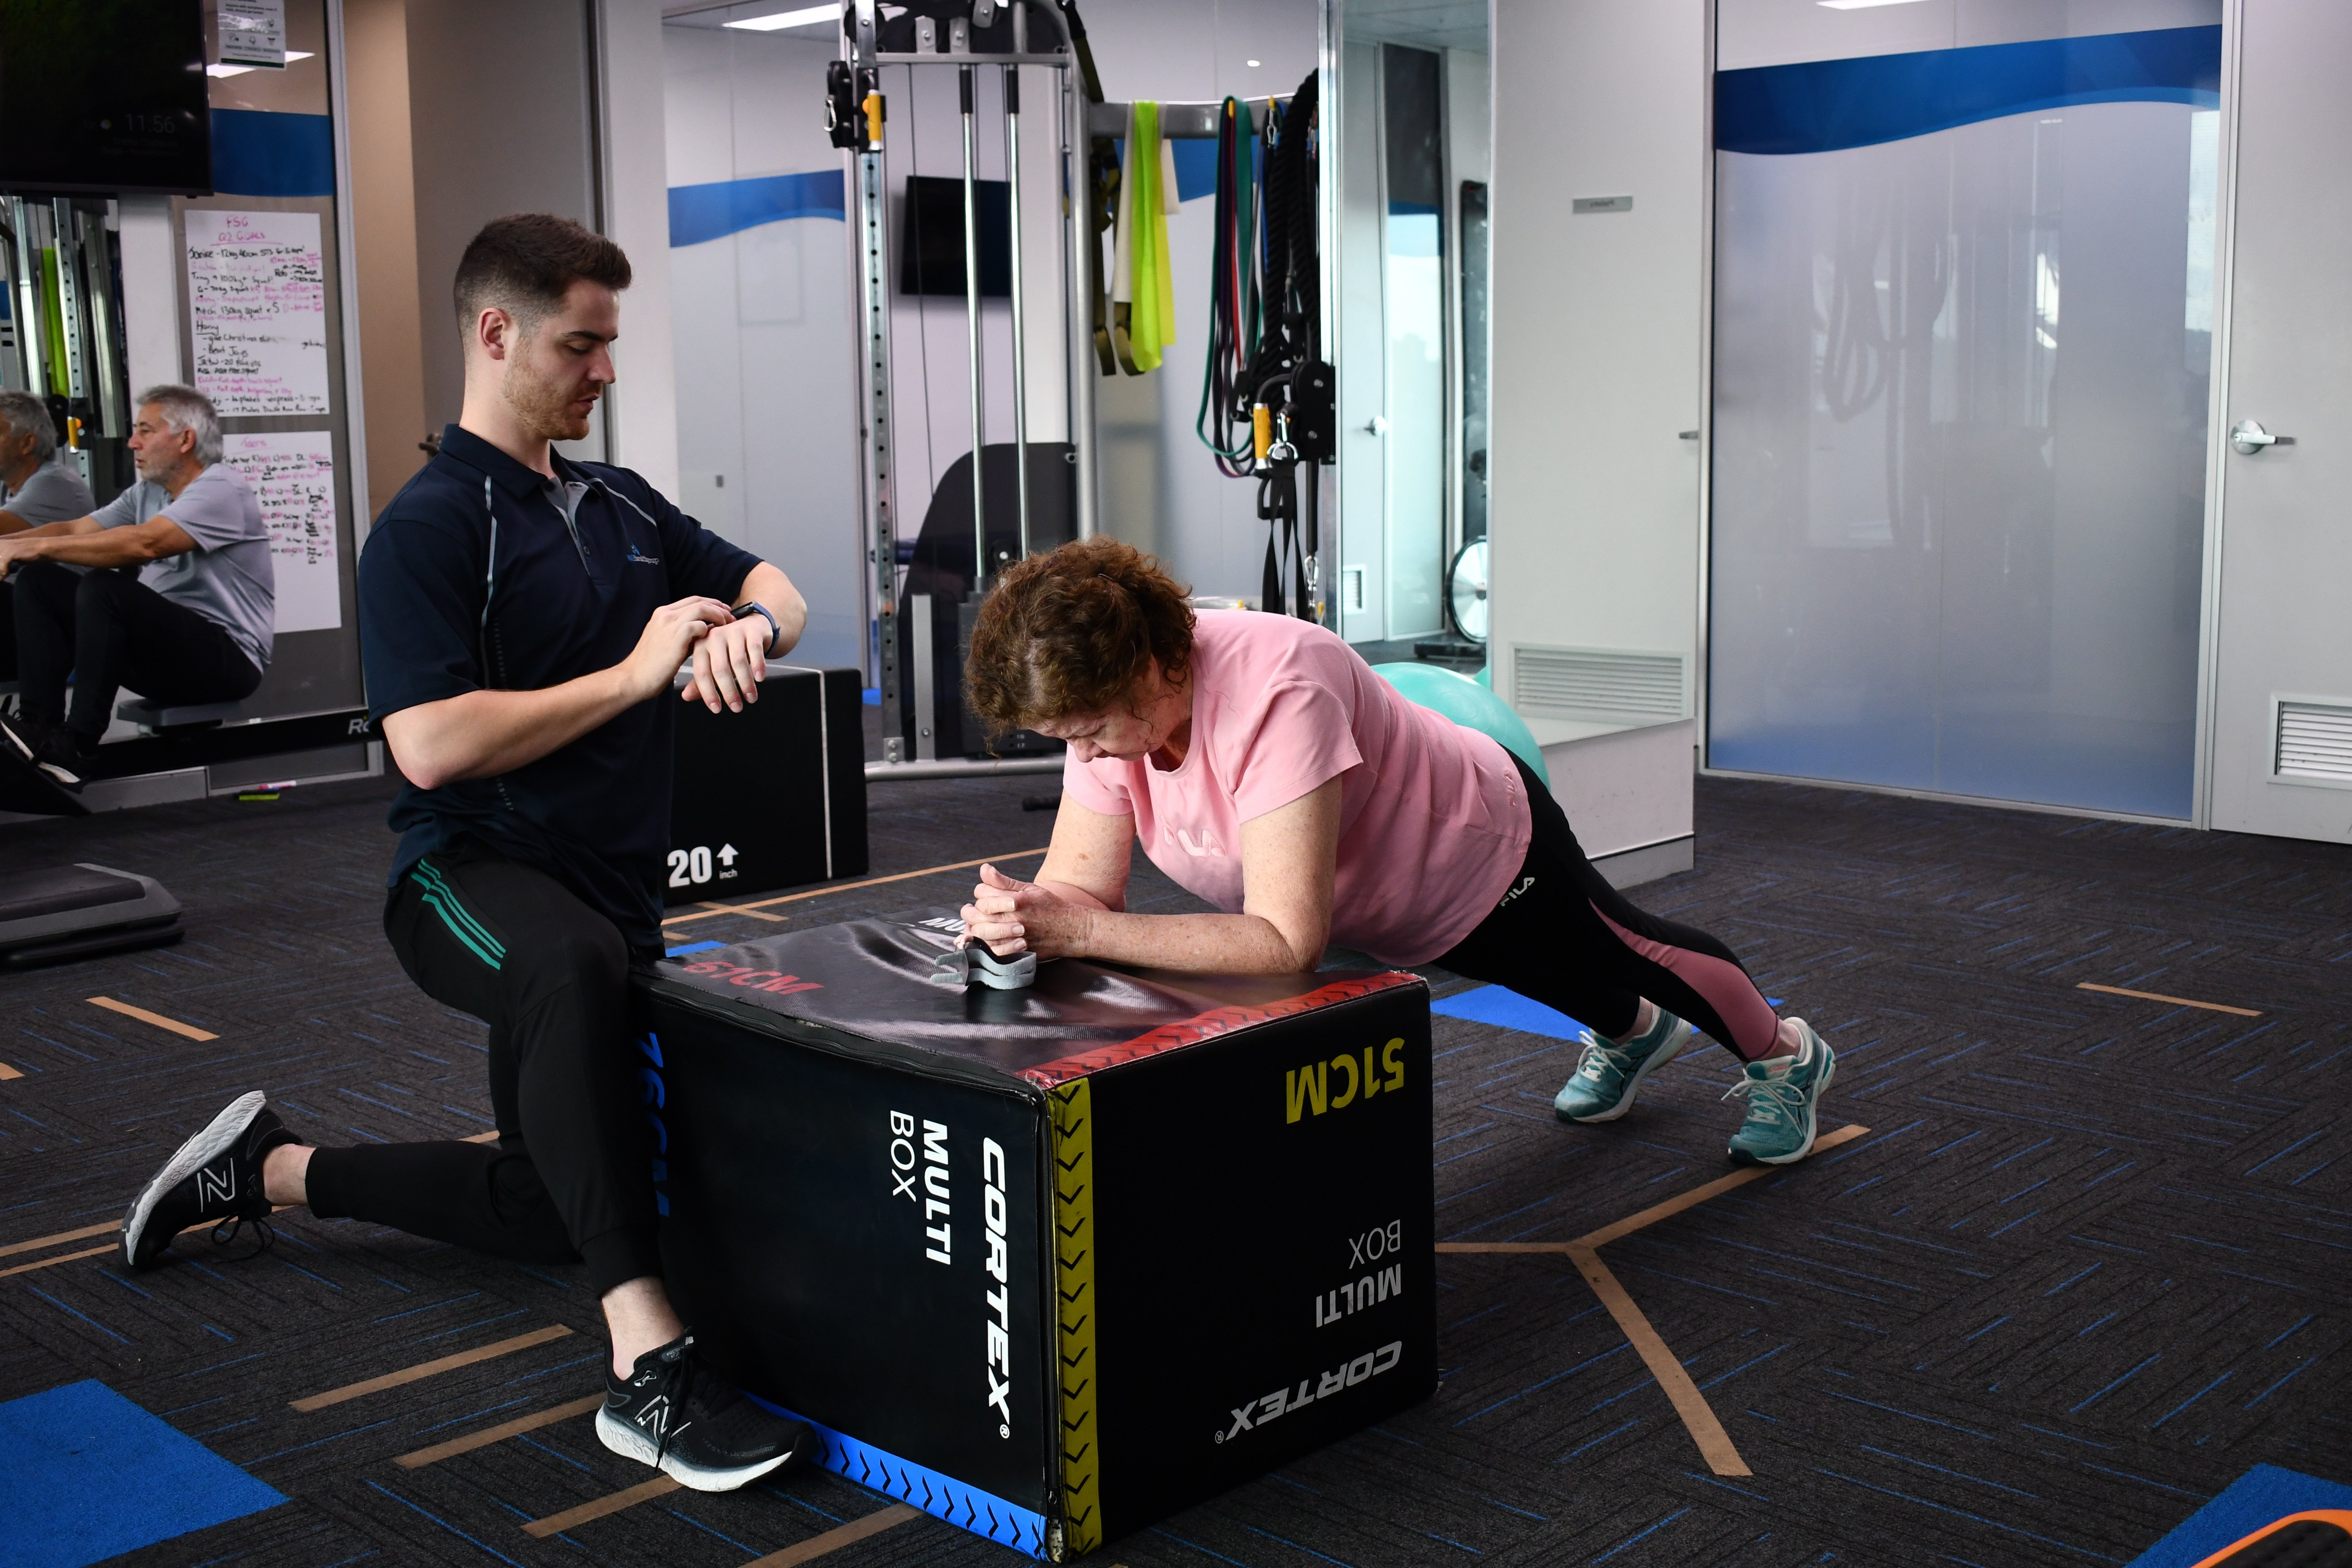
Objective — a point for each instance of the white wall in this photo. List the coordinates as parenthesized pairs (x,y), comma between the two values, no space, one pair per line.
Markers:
(151,284)
(764,325)
(642,417)
(1597,322)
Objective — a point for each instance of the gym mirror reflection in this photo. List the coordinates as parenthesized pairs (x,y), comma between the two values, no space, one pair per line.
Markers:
(1414,157)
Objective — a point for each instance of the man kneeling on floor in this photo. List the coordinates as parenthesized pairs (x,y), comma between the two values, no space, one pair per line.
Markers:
(522,620)
(193,627)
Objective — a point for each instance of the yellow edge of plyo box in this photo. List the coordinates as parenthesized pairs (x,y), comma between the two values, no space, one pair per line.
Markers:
(1074,1278)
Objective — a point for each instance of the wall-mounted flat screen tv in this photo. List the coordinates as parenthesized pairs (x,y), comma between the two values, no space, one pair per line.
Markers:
(104,96)
(930,255)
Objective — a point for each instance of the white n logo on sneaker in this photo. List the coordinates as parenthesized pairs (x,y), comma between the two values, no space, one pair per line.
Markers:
(217,1184)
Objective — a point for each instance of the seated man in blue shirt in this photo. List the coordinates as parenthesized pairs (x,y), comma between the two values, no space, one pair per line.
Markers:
(195,626)
(521,616)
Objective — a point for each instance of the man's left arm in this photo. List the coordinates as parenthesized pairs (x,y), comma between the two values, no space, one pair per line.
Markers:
(730,662)
(85,542)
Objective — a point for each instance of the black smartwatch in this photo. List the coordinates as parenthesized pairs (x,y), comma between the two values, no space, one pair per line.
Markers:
(753,607)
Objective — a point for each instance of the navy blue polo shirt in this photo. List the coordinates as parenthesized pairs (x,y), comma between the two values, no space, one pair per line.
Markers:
(593,814)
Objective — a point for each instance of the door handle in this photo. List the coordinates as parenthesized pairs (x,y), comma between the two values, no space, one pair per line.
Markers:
(2248,438)
(1378,425)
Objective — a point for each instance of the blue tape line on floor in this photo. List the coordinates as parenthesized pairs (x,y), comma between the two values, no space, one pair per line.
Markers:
(91,1476)
(1508,1010)
(2264,1495)
(694,947)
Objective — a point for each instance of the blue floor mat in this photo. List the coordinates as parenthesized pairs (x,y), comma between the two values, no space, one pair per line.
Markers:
(2264,1495)
(91,1476)
(1508,1010)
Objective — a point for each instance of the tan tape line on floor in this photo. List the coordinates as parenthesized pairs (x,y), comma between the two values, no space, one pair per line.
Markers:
(61,1257)
(109,1228)
(643,1491)
(1699,1417)
(1714,1442)
(834,1540)
(7,1072)
(145,1017)
(2176,1001)
(707,910)
(498,1434)
(490,1137)
(1656,1211)
(430,1368)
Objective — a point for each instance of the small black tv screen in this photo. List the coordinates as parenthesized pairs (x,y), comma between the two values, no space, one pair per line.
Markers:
(104,96)
(930,252)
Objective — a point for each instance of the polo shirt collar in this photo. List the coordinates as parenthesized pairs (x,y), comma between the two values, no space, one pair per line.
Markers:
(516,481)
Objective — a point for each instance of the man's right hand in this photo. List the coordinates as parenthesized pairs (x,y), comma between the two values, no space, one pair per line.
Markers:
(668,642)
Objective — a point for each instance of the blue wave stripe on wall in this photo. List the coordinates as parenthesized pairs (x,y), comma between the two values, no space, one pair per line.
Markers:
(263,154)
(697,213)
(1820,106)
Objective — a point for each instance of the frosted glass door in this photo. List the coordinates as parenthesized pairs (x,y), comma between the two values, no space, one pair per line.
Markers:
(1963,329)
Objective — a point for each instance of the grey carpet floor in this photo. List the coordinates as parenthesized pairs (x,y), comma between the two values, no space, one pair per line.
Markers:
(2088,1266)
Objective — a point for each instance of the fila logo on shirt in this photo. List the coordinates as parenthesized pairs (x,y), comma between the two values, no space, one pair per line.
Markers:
(1309,1091)
(1203,849)
(1525,883)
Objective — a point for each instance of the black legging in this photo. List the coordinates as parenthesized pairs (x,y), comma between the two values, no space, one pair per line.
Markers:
(108,631)
(1565,937)
(571,1175)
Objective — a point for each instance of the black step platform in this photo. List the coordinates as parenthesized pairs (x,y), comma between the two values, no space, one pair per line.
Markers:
(1050,1263)
(61,913)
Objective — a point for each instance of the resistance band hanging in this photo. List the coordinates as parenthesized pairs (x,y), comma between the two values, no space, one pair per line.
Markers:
(1224,422)
(1266,405)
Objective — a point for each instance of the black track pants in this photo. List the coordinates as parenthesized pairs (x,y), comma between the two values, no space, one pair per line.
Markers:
(1565,937)
(108,631)
(571,1175)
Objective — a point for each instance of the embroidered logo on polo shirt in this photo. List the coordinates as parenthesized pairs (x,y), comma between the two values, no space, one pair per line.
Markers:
(640,558)
(1202,849)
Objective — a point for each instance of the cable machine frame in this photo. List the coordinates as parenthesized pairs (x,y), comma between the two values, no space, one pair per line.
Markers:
(862,53)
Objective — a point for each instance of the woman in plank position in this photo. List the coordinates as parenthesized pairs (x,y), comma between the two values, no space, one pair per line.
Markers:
(1266,768)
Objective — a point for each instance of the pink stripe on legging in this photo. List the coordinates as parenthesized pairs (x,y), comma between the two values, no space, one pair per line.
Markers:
(1723,985)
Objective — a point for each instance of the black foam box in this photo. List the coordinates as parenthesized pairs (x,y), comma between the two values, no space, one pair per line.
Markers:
(773,796)
(1050,1264)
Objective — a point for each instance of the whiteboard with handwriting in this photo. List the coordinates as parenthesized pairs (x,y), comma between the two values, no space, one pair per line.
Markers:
(292,473)
(258,310)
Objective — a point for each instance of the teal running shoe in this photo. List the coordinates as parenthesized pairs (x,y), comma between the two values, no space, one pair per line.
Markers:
(1608,1074)
(1782,1101)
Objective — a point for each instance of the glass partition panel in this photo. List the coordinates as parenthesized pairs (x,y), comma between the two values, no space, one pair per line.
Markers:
(1963,303)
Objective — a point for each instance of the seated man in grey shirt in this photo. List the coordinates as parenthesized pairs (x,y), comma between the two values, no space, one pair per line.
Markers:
(36,487)
(195,626)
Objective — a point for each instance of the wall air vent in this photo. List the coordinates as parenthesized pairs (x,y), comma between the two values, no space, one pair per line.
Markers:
(2314,742)
(1596,683)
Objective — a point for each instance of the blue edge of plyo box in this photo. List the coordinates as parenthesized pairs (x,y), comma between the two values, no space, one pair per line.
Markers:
(942,1497)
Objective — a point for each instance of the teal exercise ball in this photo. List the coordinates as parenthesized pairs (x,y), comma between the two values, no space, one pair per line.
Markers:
(1468,704)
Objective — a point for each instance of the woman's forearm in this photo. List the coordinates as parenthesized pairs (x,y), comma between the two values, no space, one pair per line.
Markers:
(1203,944)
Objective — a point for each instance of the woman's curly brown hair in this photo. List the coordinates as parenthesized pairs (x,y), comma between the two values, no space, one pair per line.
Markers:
(1072,631)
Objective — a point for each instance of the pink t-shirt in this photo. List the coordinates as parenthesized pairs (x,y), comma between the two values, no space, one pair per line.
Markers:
(1432,820)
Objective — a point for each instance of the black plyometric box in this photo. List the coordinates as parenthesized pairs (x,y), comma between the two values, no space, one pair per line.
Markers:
(770,797)
(1050,1264)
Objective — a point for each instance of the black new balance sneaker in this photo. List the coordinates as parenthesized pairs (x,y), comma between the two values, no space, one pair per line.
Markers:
(675,1415)
(216,1178)
(54,752)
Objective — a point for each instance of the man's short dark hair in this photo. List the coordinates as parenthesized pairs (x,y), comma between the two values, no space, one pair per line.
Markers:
(525,262)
